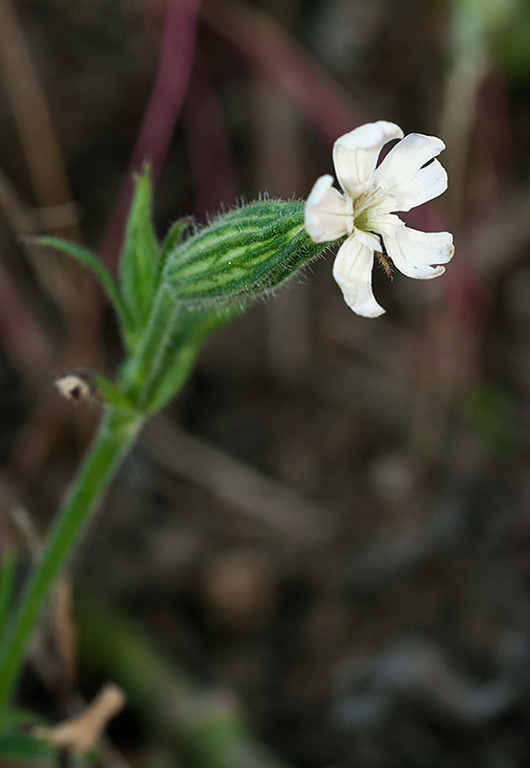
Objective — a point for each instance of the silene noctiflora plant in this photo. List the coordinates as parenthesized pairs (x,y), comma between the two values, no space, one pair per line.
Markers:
(170,295)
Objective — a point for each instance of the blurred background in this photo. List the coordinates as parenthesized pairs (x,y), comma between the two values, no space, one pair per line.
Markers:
(318,555)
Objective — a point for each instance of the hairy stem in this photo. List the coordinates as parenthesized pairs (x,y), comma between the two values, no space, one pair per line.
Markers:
(116,435)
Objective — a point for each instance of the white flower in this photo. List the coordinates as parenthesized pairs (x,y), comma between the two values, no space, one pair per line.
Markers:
(408,176)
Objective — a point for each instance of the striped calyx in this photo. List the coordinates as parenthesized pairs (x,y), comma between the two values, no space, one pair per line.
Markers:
(244,253)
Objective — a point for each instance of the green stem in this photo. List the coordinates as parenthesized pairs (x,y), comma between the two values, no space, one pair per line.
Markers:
(142,367)
(116,435)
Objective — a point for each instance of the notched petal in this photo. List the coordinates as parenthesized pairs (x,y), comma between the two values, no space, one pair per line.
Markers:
(352,271)
(414,253)
(408,156)
(426,184)
(326,212)
(355,154)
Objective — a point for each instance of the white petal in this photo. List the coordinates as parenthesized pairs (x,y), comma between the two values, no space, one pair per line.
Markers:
(413,252)
(355,154)
(426,184)
(409,155)
(405,179)
(353,272)
(326,212)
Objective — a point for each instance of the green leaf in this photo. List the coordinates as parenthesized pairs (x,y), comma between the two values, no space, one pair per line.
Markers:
(97,268)
(111,394)
(23,749)
(181,353)
(7,582)
(175,235)
(141,254)
(14,718)
(18,745)
(169,345)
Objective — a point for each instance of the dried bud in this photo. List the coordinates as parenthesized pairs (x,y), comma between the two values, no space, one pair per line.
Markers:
(72,386)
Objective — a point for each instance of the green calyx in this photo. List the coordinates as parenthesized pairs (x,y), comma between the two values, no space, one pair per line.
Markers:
(169,296)
(245,253)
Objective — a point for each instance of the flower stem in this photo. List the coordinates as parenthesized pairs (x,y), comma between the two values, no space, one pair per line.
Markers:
(116,435)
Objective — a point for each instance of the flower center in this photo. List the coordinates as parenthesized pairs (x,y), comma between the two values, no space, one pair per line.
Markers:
(364,207)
